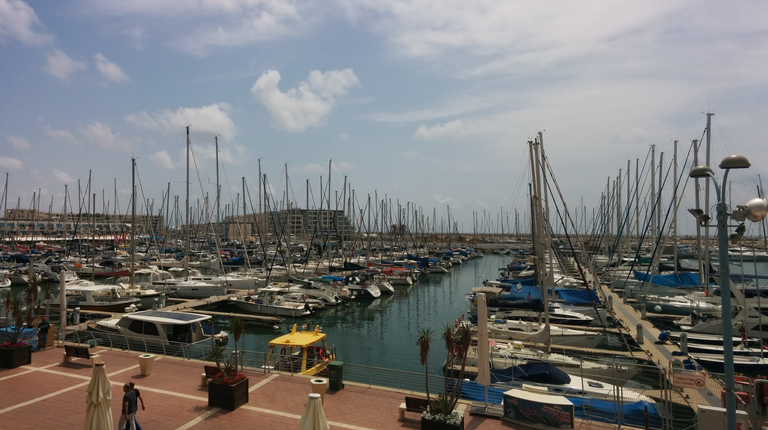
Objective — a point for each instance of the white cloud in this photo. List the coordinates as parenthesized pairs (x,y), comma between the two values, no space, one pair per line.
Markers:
(213,119)
(162,159)
(61,66)
(60,135)
(18,143)
(210,23)
(101,135)
(439,131)
(445,200)
(307,105)
(18,21)
(318,169)
(10,163)
(110,70)
(63,177)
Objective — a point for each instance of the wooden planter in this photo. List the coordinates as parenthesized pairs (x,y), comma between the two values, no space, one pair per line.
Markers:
(427,424)
(228,397)
(11,358)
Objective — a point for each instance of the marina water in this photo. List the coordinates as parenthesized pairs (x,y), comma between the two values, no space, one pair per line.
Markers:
(382,332)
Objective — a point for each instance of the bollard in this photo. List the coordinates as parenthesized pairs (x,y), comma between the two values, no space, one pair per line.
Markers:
(162,300)
(684,343)
(154,305)
(76,316)
(610,303)
(639,337)
(643,313)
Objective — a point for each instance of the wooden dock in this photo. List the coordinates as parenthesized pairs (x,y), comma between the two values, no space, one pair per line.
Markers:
(660,355)
(258,319)
(209,303)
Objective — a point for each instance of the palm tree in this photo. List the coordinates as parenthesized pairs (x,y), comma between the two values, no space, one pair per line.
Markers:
(461,341)
(423,341)
(237,327)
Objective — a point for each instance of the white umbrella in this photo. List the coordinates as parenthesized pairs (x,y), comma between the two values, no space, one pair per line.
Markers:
(98,414)
(313,417)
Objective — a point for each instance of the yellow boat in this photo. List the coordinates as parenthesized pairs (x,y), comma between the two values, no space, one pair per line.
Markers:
(303,352)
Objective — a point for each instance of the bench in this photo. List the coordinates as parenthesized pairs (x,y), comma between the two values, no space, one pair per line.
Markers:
(210,372)
(413,404)
(72,351)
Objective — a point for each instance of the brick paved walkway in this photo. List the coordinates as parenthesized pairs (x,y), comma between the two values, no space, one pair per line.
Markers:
(51,394)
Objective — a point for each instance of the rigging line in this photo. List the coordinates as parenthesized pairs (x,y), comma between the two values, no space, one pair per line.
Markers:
(207,211)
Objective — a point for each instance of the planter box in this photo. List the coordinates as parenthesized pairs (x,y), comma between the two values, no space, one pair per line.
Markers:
(441,425)
(228,397)
(11,358)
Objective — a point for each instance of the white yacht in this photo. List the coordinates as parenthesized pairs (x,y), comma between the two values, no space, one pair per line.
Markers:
(162,326)
(271,301)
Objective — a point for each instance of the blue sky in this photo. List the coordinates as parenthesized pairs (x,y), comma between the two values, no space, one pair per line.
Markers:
(429,102)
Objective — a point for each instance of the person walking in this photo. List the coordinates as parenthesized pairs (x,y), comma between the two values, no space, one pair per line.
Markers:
(42,333)
(141,400)
(128,409)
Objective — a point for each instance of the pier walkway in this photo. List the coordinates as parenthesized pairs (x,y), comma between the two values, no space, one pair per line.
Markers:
(659,354)
(51,394)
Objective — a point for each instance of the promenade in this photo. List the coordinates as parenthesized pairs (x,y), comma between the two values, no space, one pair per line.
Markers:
(51,394)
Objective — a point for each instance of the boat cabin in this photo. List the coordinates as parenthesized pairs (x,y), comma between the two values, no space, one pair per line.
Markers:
(163,326)
(303,352)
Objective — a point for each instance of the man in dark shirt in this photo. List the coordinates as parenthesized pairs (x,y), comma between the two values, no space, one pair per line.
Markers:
(42,335)
(128,408)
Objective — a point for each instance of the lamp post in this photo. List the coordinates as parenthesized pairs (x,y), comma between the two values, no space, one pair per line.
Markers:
(757,211)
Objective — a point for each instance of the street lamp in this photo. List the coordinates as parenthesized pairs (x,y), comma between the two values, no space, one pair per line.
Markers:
(755,211)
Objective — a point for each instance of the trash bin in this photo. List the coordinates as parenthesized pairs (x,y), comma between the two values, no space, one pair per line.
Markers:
(146,363)
(336,375)
(318,387)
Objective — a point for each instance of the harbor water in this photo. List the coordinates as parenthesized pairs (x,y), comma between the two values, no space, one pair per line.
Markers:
(382,332)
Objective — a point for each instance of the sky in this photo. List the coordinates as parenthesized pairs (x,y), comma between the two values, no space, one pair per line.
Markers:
(429,103)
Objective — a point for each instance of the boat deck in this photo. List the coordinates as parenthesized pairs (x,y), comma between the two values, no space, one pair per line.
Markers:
(174,398)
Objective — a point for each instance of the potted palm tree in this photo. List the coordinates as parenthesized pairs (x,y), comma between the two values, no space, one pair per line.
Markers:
(228,389)
(441,413)
(20,310)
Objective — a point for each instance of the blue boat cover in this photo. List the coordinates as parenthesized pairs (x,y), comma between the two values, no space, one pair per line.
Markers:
(584,408)
(577,297)
(333,278)
(685,279)
(520,291)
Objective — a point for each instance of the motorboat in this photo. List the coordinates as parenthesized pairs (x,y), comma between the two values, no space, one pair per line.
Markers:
(89,296)
(326,295)
(272,301)
(162,326)
(188,289)
(302,352)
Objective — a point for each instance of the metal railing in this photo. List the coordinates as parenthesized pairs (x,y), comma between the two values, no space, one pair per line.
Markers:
(624,385)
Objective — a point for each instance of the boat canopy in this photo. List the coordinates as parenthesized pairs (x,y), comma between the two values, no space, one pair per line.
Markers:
(299,339)
(167,317)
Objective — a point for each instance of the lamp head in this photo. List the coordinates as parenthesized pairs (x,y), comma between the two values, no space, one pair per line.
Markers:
(755,209)
(700,216)
(701,172)
(734,161)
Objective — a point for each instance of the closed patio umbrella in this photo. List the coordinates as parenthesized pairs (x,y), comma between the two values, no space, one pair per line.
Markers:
(98,413)
(313,417)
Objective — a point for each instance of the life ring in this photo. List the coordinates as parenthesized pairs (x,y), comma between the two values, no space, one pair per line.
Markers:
(283,351)
(322,355)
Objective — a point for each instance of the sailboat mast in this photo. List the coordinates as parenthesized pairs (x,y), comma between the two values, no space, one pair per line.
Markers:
(133,219)
(186,209)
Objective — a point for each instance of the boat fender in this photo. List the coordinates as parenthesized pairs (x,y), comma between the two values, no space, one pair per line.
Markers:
(283,351)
